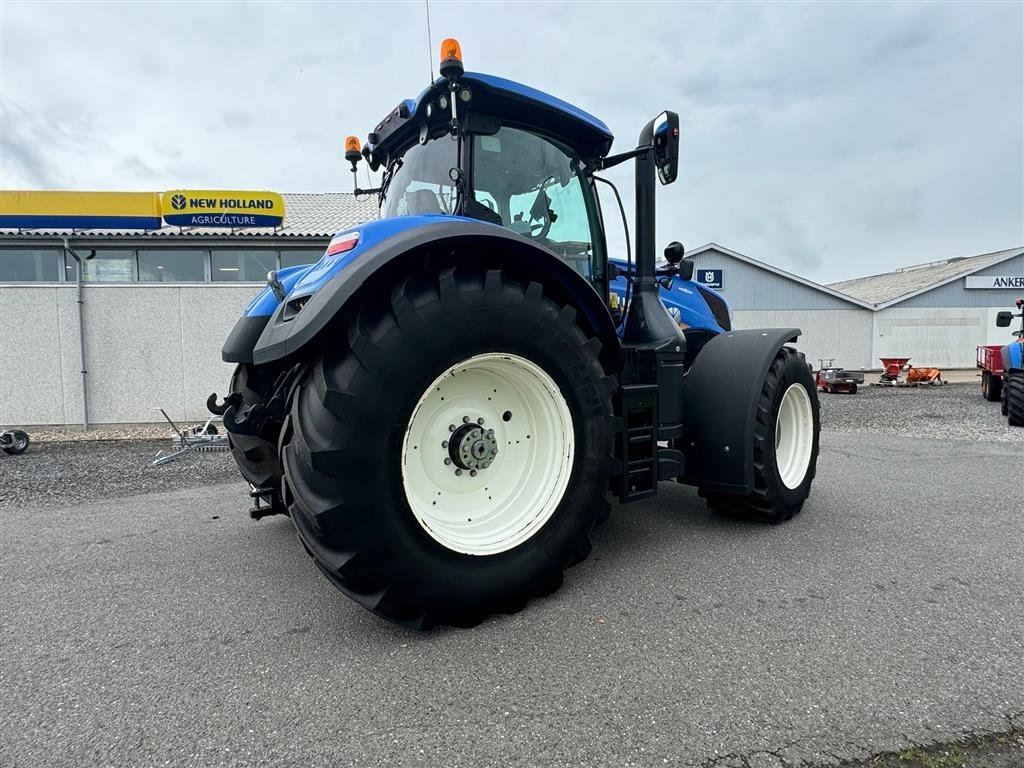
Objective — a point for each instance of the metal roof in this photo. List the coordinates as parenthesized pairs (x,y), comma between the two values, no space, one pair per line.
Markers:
(893,287)
(782,273)
(307,214)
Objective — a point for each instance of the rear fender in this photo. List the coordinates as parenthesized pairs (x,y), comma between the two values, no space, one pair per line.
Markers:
(720,397)
(434,240)
(1013,356)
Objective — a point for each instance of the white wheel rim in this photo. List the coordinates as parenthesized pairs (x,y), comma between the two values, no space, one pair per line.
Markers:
(496,507)
(794,436)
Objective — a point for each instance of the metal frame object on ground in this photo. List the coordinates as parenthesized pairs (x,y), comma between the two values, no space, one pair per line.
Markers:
(201,438)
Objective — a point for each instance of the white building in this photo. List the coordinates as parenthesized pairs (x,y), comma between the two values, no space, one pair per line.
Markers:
(158,304)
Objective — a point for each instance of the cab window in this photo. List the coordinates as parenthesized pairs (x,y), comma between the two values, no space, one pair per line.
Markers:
(529,186)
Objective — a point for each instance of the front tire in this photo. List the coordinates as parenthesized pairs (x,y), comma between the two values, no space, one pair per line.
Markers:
(785,435)
(1015,399)
(256,455)
(386,417)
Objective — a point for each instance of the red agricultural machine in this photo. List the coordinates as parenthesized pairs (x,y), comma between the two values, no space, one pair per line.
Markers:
(893,369)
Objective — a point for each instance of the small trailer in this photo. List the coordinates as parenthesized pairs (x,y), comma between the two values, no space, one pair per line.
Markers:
(831,379)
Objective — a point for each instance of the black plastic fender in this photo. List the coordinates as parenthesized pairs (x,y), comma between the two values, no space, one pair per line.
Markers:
(720,397)
(485,242)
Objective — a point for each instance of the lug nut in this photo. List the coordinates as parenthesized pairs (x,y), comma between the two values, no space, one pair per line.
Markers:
(444,443)
(451,427)
(447,462)
(465,419)
(458,471)
(472,473)
(480,421)
(490,433)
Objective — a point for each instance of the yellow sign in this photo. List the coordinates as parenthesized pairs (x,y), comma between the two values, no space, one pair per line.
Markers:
(79,210)
(222,208)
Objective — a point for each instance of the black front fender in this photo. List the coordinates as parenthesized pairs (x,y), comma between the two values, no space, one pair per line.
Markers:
(475,243)
(720,397)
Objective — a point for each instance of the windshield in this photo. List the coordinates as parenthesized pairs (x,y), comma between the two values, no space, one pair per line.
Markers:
(531,186)
(419,181)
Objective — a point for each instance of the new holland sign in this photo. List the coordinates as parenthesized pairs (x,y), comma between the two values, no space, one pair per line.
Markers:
(995,283)
(220,208)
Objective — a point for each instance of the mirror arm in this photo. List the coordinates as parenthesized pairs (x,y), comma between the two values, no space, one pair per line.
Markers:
(612,160)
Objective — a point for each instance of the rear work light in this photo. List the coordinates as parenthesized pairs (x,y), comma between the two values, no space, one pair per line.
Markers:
(343,243)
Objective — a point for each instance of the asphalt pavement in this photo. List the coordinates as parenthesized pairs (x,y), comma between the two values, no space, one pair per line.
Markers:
(169,629)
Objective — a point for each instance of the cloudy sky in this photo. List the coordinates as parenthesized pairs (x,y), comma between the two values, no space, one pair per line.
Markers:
(832,140)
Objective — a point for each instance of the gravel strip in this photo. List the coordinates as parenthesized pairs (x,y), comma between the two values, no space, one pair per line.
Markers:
(71,472)
(54,471)
(952,412)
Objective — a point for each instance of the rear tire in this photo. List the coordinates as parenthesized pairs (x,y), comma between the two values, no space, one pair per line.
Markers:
(1015,399)
(361,465)
(786,456)
(256,455)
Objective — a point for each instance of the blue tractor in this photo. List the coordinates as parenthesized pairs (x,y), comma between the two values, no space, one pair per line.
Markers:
(444,401)
(1010,387)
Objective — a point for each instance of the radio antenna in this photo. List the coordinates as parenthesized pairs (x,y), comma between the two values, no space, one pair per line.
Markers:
(430,45)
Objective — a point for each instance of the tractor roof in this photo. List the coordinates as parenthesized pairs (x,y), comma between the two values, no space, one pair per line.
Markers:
(506,100)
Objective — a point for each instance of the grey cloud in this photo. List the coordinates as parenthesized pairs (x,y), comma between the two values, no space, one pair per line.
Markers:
(828,139)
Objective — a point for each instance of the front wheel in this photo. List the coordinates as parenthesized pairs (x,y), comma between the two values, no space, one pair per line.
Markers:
(785,435)
(446,459)
(1015,399)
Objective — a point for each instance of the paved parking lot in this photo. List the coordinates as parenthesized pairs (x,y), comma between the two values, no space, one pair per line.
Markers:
(168,629)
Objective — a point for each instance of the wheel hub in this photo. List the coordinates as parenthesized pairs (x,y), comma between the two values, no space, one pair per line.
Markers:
(472,446)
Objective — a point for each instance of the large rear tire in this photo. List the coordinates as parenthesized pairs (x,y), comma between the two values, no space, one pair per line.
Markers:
(408,503)
(1015,399)
(786,433)
(257,455)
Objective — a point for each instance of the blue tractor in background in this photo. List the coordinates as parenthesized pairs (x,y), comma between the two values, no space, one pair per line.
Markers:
(1010,389)
(444,401)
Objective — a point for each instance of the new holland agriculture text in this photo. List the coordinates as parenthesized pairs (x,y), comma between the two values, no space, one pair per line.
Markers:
(219,208)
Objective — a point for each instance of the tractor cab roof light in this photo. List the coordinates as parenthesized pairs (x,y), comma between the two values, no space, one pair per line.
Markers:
(451,59)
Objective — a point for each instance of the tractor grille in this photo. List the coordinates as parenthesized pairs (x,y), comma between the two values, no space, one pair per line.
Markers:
(718,308)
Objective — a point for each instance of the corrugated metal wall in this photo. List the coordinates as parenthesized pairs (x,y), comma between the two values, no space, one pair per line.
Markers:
(955,295)
(746,286)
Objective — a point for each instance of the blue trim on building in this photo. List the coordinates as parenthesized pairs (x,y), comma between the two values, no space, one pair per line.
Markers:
(23,221)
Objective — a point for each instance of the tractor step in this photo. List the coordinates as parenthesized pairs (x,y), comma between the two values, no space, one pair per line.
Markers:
(637,448)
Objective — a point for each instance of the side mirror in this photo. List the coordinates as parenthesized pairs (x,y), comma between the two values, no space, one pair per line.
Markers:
(1003,319)
(666,146)
(686,269)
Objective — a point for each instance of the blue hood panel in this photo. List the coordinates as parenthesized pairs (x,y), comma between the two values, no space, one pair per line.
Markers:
(304,280)
(694,312)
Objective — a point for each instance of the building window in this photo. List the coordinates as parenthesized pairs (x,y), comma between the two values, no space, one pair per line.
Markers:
(168,265)
(106,266)
(300,256)
(243,266)
(29,265)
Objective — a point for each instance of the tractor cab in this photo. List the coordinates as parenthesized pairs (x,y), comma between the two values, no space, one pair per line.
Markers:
(487,148)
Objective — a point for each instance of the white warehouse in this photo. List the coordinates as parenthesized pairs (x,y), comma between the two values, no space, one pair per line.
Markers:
(158,303)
